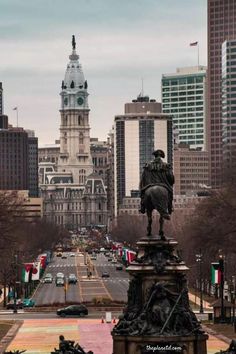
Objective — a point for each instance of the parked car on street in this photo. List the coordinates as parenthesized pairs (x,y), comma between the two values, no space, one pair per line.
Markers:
(73,310)
(72,254)
(64,256)
(28,303)
(72,279)
(11,305)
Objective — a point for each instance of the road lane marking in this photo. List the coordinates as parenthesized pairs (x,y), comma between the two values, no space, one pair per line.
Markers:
(78,282)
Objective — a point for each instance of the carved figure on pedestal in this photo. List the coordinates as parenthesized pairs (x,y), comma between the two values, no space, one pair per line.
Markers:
(156,190)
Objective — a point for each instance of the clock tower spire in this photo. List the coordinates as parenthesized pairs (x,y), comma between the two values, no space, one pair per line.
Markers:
(74,129)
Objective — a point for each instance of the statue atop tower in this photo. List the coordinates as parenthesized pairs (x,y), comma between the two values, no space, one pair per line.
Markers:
(73,42)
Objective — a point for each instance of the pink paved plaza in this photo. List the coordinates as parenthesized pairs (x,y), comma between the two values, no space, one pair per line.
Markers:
(41,336)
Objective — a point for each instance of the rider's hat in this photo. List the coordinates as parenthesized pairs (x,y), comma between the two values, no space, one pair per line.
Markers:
(159,153)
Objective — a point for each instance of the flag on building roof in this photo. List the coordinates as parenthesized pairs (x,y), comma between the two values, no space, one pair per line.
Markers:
(193,44)
(215,273)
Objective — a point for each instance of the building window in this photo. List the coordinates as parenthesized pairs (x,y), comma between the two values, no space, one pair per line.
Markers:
(82,176)
(81,138)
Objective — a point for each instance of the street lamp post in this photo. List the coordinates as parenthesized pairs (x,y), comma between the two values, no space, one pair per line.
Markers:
(15,269)
(221,268)
(199,260)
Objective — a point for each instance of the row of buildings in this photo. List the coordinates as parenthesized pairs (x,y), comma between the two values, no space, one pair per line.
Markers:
(85,182)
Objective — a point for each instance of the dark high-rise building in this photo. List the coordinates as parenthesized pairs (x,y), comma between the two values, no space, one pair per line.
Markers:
(13,159)
(3,121)
(33,166)
(229,104)
(221,27)
(18,159)
(1,99)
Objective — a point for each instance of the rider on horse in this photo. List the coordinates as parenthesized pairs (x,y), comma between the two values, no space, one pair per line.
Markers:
(157,172)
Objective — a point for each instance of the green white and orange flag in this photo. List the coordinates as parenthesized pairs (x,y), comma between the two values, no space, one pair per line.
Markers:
(26,272)
(215,273)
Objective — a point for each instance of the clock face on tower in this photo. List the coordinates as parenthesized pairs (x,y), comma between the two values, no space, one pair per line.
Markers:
(80,101)
(66,101)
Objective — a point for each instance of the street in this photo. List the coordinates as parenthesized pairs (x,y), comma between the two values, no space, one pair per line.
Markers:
(114,288)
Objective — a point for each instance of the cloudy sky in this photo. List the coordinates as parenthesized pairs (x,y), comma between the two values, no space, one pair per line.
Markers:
(119,43)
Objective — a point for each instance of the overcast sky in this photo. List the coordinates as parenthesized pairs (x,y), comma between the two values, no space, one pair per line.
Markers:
(119,43)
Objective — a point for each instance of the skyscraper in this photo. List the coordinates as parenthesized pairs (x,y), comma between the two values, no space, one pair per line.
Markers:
(221,27)
(1,99)
(184,98)
(229,103)
(142,129)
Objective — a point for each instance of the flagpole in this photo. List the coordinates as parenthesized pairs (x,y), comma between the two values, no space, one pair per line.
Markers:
(16,109)
(198,55)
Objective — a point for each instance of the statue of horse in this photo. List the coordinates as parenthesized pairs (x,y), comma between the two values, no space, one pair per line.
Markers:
(156,197)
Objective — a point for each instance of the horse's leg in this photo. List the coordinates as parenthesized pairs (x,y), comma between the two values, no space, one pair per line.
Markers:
(149,227)
(161,231)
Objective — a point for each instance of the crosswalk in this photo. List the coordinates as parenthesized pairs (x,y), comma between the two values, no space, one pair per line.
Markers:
(116,280)
(60,265)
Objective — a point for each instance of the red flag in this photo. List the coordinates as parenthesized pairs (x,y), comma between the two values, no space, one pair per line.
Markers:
(131,256)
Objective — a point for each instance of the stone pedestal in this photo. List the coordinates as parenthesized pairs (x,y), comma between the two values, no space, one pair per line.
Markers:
(158,318)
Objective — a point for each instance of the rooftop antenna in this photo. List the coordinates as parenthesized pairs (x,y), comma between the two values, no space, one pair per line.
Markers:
(142,88)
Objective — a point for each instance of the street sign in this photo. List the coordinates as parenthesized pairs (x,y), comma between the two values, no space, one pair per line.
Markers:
(108,317)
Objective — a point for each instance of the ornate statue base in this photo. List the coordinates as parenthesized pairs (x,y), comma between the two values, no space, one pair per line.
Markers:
(158,318)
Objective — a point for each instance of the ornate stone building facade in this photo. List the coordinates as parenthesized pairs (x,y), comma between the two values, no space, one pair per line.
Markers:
(73,195)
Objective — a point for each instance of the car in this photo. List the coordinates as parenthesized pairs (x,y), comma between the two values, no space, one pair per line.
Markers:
(105,275)
(60,282)
(59,254)
(93,257)
(72,254)
(28,303)
(60,275)
(64,256)
(119,267)
(102,249)
(11,304)
(72,279)
(73,310)
(109,259)
(48,280)
(114,261)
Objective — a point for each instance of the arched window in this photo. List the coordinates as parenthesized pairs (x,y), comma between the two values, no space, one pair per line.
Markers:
(80,120)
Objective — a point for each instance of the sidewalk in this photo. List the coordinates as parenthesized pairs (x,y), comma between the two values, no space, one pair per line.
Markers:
(41,336)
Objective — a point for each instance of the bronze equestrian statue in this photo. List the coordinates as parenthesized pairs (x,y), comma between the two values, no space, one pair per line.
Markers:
(156,190)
